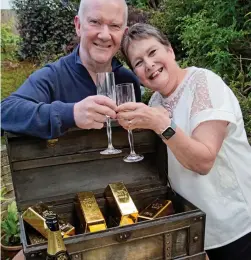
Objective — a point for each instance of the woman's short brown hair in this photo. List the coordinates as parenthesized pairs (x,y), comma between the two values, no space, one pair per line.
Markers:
(140,31)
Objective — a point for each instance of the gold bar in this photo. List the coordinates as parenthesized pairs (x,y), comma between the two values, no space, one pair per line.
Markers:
(158,208)
(123,209)
(34,216)
(36,238)
(90,213)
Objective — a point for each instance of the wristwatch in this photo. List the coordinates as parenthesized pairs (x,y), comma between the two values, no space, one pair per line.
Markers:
(169,132)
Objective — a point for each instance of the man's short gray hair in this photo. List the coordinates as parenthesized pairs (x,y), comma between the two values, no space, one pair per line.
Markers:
(141,31)
(82,7)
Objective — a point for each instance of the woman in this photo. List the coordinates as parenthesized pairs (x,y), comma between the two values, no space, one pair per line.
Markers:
(199,119)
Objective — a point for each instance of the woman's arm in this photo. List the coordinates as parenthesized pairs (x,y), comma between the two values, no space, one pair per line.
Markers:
(196,153)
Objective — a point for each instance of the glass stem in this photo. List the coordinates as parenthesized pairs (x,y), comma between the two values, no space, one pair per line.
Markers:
(131,142)
(109,132)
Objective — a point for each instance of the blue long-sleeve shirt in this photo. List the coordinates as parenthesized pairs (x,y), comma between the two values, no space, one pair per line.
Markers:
(43,105)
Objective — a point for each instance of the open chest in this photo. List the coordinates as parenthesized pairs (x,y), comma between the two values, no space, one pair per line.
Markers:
(53,171)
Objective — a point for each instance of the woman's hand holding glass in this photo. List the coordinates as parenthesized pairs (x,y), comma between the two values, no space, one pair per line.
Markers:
(125,93)
(138,115)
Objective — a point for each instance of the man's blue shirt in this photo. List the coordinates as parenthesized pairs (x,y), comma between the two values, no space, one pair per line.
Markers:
(43,105)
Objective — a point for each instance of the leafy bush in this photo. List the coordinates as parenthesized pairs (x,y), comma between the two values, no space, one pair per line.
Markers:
(10,226)
(9,40)
(46,27)
(147,95)
(145,4)
(214,35)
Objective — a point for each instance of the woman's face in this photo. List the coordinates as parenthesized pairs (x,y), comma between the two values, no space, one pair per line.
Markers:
(154,64)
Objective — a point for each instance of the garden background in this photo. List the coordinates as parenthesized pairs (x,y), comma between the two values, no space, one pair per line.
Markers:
(209,34)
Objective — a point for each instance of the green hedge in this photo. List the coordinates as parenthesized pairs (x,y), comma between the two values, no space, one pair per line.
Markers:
(214,35)
(45,26)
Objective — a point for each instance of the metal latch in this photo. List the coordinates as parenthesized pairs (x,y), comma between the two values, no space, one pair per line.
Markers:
(168,246)
(52,142)
(122,237)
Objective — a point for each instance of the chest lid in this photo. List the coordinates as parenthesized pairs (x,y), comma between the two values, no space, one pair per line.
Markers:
(49,169)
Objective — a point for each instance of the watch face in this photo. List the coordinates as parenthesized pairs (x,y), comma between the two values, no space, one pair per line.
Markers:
(168,132)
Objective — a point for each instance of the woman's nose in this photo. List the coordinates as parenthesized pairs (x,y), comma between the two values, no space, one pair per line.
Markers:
(149,64)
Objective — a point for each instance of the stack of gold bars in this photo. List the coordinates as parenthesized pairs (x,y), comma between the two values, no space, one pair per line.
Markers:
(120,210)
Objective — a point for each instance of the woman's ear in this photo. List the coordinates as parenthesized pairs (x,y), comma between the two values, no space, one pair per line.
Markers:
(170,49)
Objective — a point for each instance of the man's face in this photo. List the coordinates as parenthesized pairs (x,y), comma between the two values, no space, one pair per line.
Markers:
(100,29)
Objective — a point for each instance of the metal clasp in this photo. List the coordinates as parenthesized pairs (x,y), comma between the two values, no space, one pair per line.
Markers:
(122,237)
(168,246)
(76,256)
(52,142)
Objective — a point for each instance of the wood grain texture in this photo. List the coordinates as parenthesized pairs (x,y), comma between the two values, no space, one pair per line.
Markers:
(54,174)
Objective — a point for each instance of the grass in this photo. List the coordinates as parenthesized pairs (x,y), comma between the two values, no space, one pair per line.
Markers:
(14,73)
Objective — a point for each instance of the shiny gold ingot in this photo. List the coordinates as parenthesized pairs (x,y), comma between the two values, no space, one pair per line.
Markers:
(52,142)
(34,216)
(158,208)
(128,213)
(90,213)
(36,238)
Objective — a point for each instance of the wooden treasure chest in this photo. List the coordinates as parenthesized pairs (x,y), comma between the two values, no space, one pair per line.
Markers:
(55,171)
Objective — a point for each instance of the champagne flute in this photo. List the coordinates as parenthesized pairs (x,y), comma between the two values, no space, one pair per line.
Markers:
(105,83)
(125,93)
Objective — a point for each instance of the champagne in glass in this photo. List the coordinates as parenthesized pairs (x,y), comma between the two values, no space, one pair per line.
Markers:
(125,93)
(106,86)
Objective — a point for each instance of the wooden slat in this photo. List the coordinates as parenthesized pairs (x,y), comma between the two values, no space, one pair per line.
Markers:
(75,158)
(73,142)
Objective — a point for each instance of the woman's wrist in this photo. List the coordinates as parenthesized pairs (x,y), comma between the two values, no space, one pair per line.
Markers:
(162,121)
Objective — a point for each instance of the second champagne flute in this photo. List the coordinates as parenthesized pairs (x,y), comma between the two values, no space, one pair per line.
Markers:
(105,83)
(125,93)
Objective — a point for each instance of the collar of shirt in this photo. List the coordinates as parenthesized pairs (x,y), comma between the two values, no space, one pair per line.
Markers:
(116,64)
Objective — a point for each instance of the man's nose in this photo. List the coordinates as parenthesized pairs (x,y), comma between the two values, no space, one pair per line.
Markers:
(104,33)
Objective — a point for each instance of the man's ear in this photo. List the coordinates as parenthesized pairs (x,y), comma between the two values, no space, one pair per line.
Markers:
(77,25)
(126,30)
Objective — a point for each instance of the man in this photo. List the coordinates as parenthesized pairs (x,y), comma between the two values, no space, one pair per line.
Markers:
(63,94)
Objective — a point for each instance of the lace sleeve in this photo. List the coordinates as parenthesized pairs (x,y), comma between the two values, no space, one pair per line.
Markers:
(211,99)
(155,100)
(201,97)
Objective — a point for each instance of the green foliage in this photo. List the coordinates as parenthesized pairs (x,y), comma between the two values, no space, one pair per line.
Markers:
(206,44)
(10,226)
(146,96)
(13,75)
(144,3)
(138,3)
(3,193)
(46,27)
(9,40)
(245,102)
(214,35)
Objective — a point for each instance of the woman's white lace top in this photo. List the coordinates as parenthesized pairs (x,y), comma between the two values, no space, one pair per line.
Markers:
(224,194)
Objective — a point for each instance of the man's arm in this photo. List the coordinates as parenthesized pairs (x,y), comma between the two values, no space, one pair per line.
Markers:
(31,109)
(35,108)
